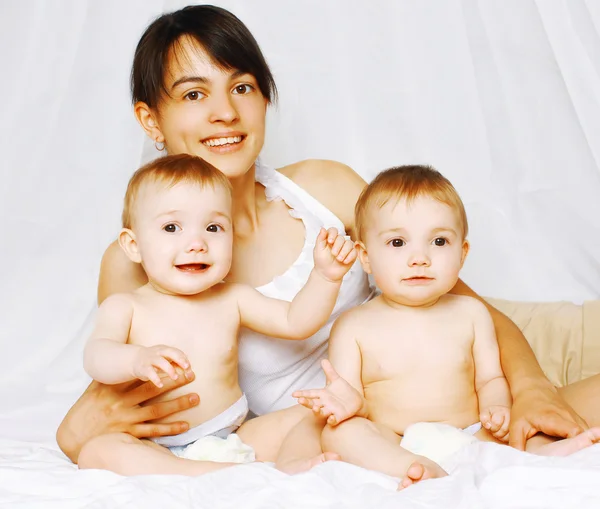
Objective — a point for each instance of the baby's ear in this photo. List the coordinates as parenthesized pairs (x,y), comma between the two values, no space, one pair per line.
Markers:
(363,256)
(465,251)
(129,244)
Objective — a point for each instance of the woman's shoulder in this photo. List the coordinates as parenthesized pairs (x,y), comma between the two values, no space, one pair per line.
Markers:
(334,184)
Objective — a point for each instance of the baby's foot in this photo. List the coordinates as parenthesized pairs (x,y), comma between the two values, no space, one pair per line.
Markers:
(298,466)
(570,445)
(420,471)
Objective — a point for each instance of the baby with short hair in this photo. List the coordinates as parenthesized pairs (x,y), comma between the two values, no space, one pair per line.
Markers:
(177,223)
(416,353)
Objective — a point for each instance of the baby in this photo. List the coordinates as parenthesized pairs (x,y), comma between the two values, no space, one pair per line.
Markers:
(417,354)
(177,223)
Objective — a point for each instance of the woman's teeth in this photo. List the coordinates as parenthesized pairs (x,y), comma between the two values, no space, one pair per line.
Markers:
(216,142)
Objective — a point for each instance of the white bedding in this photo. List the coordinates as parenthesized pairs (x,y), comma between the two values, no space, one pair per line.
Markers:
(503,97)
(35,474)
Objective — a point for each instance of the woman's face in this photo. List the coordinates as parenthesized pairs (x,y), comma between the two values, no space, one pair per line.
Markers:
(216,114)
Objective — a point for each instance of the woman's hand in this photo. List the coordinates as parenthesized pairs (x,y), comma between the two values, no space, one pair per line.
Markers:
(542,410)
(105,409)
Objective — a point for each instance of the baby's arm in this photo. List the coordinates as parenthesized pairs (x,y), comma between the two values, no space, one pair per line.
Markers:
(312,306)
(343,395)
(492,388)
(108,358)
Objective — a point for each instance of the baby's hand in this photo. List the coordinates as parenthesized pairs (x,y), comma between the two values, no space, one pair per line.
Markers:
(496,419)
(333,254)
(338,401)
(152,358)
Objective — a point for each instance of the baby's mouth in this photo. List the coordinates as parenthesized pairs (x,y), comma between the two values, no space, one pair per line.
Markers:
(192,267)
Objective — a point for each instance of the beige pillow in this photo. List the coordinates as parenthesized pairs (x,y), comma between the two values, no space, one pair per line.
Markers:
(564,336)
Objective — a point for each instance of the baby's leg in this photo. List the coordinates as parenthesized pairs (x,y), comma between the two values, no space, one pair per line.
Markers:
(376,447)
(126,455)
(301,449)
(265,434)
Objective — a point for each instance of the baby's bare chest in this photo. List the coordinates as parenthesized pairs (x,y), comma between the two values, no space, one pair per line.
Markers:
(416,348)
(206,330)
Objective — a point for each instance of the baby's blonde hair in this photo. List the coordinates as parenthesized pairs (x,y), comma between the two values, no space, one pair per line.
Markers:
(407,182)
(171,170)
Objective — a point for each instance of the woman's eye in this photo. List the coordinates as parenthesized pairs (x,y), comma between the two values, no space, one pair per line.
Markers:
(171,228)
(243,89)
(194,95)
(397,243)
(440,241)
(214,228)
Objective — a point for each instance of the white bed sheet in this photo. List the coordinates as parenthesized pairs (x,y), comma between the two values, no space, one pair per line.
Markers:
(35,474)
(503,97)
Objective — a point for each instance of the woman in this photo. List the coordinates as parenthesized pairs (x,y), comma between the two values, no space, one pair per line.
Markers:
(200,85)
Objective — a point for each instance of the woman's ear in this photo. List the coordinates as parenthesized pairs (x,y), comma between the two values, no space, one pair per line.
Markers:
(465,252)
(129,244)
(363,257)
(149,122)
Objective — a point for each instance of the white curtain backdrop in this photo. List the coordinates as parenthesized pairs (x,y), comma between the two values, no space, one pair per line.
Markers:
(503,97)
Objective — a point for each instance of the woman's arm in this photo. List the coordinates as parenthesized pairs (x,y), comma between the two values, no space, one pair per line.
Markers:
(537,405)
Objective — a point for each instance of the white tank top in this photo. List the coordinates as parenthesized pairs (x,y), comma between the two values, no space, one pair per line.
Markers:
(271,369)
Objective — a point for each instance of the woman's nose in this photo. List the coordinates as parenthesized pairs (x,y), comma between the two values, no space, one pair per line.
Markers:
(223,108)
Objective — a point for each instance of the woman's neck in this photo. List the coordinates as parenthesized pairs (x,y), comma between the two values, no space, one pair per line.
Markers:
(245,204)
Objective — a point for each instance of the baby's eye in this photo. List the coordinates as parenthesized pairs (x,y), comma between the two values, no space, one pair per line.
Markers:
(242,89)
(397,243)
(194,95)
(440,241)
(171,228)
(214,228)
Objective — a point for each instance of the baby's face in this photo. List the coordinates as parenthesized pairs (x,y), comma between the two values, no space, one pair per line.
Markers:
(184,236)
(415,251)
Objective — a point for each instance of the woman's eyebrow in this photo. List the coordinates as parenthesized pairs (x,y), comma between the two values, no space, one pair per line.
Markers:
(203,80)
(190,79)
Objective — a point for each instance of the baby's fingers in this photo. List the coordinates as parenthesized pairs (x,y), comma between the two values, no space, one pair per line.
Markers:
(177,356)
(485,418)
(309,393)
(337,246)
(351,257)
(306,402)
(502,433)
(322,239)
(332,235)
(164,365)
(149,373)
(497,421)
(347,249)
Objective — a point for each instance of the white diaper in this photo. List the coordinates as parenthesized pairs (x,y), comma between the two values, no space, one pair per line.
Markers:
(213,440)
(212,448)
(221,425)
(437,441)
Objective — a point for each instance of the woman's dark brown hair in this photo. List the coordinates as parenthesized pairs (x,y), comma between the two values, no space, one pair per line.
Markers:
(218,32)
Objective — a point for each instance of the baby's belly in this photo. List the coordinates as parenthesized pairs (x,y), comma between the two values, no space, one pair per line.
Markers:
(216,395)
(400,403)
